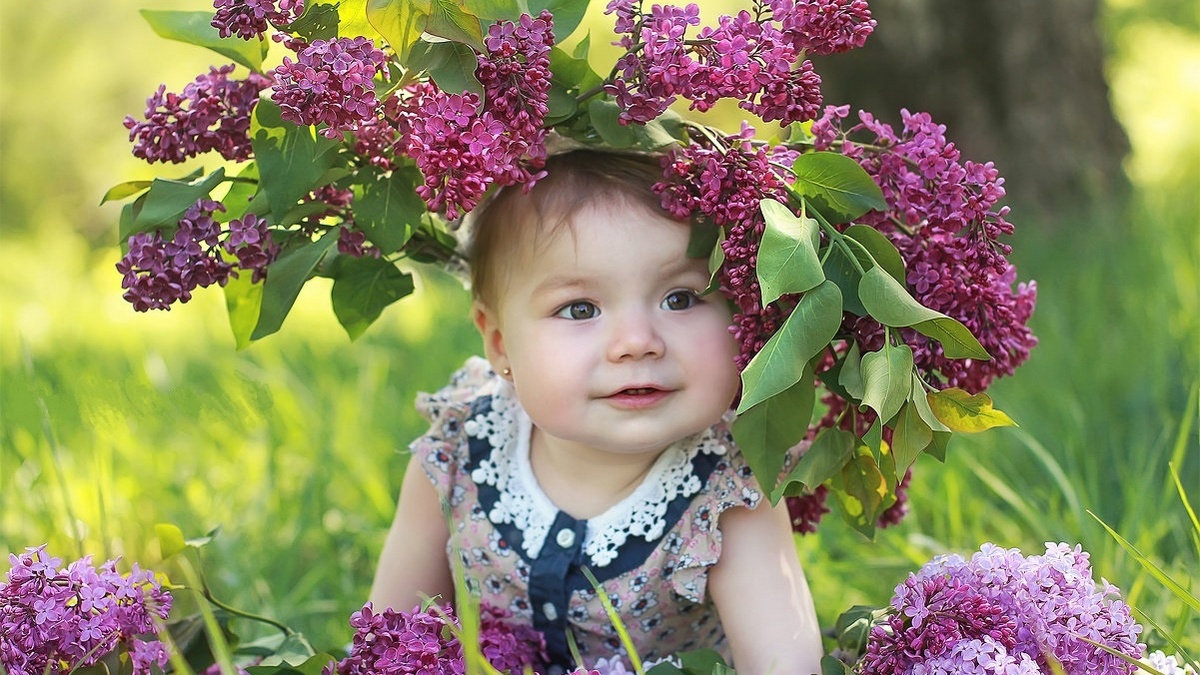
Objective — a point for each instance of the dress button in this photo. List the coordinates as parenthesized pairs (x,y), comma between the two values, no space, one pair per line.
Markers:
(550,611)
(565,538)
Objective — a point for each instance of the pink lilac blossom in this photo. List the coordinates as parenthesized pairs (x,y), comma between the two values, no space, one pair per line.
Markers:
(945,219)
(331,82)
(157,271)
(464,144)
(250,19)
(823,26)
(211,113)
(55,619)
(403,643)
(754,59)
(1002,612)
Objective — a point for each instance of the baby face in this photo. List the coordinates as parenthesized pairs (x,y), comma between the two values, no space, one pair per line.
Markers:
(610,345)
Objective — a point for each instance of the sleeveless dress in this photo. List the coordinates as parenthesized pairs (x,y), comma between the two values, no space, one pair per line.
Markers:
(650,553)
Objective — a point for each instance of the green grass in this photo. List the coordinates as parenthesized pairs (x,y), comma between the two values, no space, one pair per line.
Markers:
(113,422)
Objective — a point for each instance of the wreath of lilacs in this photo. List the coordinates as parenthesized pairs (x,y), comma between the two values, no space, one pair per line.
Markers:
(372,138)
(56,619)
(1001,612)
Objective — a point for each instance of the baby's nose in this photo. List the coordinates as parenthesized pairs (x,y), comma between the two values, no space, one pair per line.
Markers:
(635,336)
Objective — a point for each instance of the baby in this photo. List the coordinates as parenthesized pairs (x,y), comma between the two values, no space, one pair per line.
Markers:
(596,436)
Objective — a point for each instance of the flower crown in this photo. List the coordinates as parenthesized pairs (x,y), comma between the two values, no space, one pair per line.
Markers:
(864,262)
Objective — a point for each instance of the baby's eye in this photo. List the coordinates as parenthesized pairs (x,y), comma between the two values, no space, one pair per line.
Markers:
(679,300)
(578,311)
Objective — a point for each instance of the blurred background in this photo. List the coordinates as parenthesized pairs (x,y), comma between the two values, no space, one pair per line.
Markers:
(112,421)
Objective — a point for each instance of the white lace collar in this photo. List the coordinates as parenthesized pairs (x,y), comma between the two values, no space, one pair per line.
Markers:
(522,503)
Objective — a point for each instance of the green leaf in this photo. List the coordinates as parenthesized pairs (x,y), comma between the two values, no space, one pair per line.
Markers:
(170,539)
(716,258)
(787,255)
(831,665)
(196,28)
(451,65)
(243,302)
(765,432)
(941,442)
(860,489)
(702,237)
(655,135)
(319,22)
(890,304)
(568,14)
(965,412)
(448,20)
(823,460)
(291,159)
(572,72)
(387,207)
(701,661)
(560,104)
(167,200)
(398,22)
(910,435)
(123,190)
(850,376)
(839,269)
(921,402)
(363,288)
(493,10)
(290,271)
(240,198)
(882,250)
(783,360)
(887,379)
(839,188)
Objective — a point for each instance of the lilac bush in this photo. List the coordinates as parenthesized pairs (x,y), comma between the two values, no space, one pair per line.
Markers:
(422,641)
(1000,612)
(56,619)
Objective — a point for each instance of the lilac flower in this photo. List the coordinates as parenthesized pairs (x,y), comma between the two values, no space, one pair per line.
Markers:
(249,19)
(55,620)
(824,26)
(157,272)
(211,113)
(744,57)
(1002,612)
(403,643)
(464,144)
(944,218)
(331,82)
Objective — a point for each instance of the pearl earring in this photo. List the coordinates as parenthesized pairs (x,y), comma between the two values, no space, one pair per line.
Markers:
(507,372)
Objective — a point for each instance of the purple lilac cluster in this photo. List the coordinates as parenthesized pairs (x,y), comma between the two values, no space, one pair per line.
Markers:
(462,143)
(403,643)
(748,57)
(944,218)
(211,113)
(331,82)
(55,619)
(250,19)
(1001,612)
(158,271)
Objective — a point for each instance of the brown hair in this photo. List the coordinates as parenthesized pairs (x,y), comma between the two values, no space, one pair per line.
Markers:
(573,180)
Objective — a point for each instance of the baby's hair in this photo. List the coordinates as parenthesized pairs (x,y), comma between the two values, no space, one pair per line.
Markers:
(575,179)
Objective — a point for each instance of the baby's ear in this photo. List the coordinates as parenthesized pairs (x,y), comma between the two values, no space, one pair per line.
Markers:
(493,339)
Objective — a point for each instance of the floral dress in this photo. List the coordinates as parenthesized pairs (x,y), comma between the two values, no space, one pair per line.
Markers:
(651,552)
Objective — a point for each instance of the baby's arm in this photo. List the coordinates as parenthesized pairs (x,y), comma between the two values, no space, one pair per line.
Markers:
(413,561)
(762,596)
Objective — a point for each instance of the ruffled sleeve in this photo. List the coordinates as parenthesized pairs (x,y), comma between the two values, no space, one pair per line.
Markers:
(730,484)
(442,451)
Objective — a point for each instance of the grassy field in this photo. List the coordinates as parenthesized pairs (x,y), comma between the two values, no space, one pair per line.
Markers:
(111,422)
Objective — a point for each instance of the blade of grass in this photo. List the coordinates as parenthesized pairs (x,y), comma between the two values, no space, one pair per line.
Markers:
(1147,564)
(1178,648)
(1124,657)
(626,641)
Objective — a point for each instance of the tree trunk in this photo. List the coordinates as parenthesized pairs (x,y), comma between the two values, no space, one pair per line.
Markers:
(1017,82)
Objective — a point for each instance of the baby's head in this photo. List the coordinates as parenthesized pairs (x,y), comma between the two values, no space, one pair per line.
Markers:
(516,223)
(588,303)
